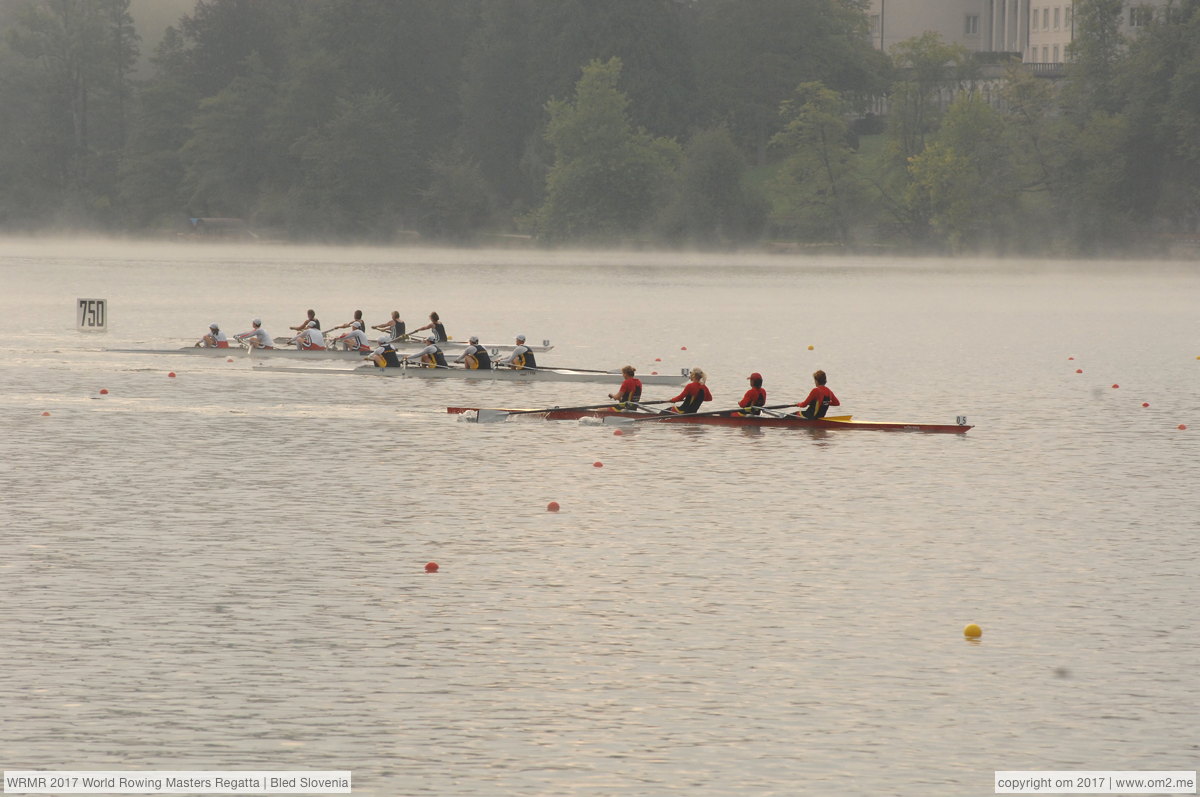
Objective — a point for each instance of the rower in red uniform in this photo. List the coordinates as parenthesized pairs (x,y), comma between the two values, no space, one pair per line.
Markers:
(695,393)
(755,397)
(819,399)
(630,391)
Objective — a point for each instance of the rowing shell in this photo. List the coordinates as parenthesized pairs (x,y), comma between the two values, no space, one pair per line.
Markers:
(418,342)
(493,375)
(790,422)
(242,351)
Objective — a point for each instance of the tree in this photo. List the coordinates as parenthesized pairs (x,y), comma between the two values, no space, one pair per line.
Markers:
(712,203)
(359,170)
(607,176)
(70,62)
(1094,56)
(752,55)
(962,181)
(818,191)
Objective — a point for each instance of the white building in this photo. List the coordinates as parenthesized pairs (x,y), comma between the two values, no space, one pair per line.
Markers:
(1039,30)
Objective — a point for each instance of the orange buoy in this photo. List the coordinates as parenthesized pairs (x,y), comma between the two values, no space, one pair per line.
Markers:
(431,567)
(552,506)
(103,391)
(810,348)
(597,464)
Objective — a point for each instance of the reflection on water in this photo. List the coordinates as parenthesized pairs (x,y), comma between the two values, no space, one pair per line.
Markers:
(225,569)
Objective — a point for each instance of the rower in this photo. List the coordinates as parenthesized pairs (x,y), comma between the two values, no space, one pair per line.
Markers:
(819,399)
(356,338)
(694,393)
(311,338)
(755,397)
(436,328)
(303,325)
(256,338)
(430,356)
(521,356)
(350,323)
(215,339)
(475,356)
(630,391)
(393,326)
(384,356)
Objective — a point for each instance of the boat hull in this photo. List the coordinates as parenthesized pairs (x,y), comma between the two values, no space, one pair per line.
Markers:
(646,418)
(495,375)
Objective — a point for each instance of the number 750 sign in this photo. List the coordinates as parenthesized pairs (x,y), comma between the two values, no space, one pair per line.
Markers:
(92,314)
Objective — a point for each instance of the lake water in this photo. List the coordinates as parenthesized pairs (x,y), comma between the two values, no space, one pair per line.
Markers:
(225,569)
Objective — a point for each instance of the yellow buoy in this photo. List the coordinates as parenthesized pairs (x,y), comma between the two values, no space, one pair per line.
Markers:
(972,631)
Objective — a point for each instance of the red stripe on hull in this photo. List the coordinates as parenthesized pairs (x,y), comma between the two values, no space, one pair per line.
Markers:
(726,420)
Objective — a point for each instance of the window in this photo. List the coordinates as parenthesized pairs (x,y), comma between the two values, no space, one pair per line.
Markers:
(1055,61)
(1046,18)
(1034,19)
(1067,17)
(1140,15)
(1056,11)
(874,24)
(972,25)
(1045,55)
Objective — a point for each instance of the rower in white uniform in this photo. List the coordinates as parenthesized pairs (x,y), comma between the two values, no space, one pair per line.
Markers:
(215,339)
(310,339)
(256,338)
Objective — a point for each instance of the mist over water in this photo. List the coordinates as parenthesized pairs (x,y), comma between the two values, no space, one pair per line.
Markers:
(225,569)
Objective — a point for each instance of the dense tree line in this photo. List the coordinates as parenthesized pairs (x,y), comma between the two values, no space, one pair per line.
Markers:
(700,122)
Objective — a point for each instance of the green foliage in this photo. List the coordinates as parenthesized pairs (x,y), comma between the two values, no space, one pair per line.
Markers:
(607,176)
(819,194)
(712,203)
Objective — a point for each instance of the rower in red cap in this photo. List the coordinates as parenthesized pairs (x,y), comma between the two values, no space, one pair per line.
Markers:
(755,397)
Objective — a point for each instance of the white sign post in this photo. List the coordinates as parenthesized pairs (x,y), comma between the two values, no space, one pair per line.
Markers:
(91,315)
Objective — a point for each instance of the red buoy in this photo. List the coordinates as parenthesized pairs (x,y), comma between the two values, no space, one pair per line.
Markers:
(1079,370)
(1115,387)
(683,348)
(597,464)
(103,391)
(658,359)
(228,359)
(1070,358)
(171,374)
(617,432)
(431,567)
(1145,403)
(45,414)
(1182,426)
(552,506)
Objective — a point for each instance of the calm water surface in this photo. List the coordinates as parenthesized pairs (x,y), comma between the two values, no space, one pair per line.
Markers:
(224,570)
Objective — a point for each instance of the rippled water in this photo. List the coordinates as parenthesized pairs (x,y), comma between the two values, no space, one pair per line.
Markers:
(224,570)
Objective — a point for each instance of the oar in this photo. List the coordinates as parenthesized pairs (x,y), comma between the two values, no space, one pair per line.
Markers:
(619,419)
(498,414)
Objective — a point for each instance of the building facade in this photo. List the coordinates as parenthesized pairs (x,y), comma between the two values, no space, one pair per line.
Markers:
(1039,30)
